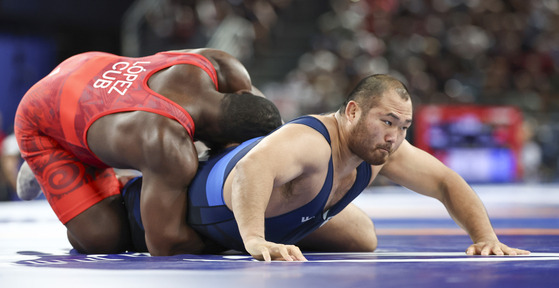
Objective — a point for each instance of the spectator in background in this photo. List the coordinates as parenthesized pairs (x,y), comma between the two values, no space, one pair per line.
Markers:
(531,156)
(10,160)
(496,52)
(4,193)
(231,25)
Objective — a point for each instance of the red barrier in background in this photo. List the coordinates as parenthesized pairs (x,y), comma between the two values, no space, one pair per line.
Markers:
(481,143)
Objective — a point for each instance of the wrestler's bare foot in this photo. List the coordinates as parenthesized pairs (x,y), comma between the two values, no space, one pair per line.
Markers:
(27,186)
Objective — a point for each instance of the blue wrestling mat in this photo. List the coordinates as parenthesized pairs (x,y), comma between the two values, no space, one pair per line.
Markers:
(419,246)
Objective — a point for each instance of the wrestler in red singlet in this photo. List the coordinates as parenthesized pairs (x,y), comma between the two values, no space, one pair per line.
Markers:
(54,116)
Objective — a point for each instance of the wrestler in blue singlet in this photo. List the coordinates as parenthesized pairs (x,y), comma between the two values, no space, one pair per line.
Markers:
(208,214)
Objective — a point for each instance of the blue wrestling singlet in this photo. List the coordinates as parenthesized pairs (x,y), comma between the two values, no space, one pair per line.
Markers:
(208,214)
(131,196)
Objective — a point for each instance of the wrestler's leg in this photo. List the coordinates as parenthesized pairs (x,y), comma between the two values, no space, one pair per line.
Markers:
(102,228)
(28,188)
(28,185)
(349,231)
(86,199)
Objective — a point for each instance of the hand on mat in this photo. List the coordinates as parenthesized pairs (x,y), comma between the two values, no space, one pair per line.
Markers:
(264,250)
(494,248)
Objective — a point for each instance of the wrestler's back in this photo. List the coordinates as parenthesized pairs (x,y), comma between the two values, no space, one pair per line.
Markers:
(110,137)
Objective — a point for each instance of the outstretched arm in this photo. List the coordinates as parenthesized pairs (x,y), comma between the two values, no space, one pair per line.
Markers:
(252,187)
(423,173)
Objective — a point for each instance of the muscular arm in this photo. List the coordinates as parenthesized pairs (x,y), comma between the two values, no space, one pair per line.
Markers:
(423,173)
(231,73)
(167,170)
(278,159)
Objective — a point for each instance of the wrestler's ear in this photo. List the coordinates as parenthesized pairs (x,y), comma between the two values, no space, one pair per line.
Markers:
(352,111)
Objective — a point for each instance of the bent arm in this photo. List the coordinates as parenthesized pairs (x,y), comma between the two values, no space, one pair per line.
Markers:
(168,168)
(423,173)
(163,209)
(231,73)
(278,159)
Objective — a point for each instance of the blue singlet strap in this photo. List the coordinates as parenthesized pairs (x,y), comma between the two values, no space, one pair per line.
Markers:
(313,123)
(215,199)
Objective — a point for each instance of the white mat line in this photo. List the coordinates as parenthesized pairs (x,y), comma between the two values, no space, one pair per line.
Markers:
(422,254)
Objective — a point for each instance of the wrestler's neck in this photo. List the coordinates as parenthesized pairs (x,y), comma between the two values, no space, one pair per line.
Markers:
(206,121)
(340,144)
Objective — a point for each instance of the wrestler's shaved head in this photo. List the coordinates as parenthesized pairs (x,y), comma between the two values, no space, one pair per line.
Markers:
(246,116)
(369,91)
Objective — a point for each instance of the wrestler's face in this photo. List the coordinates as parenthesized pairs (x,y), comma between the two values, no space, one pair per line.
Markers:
(378,133)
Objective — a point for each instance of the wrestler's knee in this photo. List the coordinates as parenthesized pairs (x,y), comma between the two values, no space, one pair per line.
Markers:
(366,242)
(362,230)
(96,241)
(100,229)
(362,235)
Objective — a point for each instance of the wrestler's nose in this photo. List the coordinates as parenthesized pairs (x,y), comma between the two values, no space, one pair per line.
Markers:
(390,136)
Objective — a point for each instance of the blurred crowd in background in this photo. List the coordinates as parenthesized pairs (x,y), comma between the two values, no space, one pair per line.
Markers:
(482,52)
(489,52)
(447,51)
